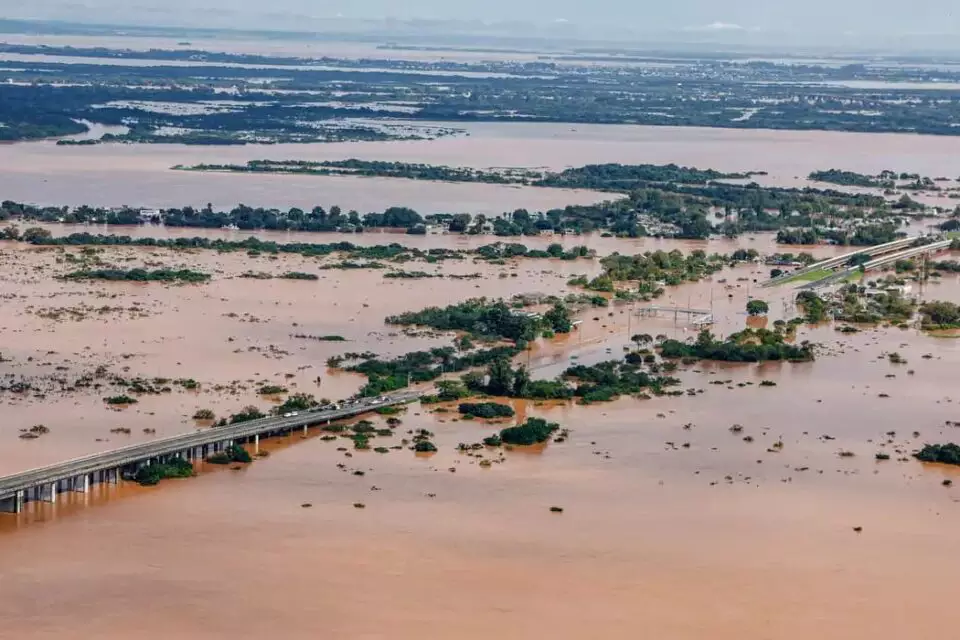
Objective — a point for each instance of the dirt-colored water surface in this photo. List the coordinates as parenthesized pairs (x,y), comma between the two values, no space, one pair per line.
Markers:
(120,174)
(672,526)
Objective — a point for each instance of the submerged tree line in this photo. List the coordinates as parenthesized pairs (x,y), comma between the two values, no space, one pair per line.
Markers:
(660,200)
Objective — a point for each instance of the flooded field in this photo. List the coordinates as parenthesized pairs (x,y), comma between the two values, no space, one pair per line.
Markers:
(665,511)
(672,523)
(40,59)
(279,48)
(761,242)
(117,174)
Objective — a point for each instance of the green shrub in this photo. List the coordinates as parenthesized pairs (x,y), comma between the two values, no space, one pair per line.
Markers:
(233,453)
(488,410)
(533,431)
(175,468)
(943,453)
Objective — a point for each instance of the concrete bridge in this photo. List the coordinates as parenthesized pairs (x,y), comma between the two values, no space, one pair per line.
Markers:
(882,261)
(840,261)
(43,484)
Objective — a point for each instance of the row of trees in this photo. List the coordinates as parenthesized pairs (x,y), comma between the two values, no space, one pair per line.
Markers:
(750,345)
(485,318)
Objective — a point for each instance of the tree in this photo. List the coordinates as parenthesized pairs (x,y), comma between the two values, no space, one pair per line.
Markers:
(757,308)
(558,318)
(459,222)
(297,402)
(704,339)
(245,415)
(501,377)
(35,234)
(941,313)
(451,390)
(641,339)
(951,225)
(521,382)
(473,381)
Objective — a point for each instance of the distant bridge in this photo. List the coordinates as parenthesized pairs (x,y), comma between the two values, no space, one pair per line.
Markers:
(43,484)
(840,261)
(882,261)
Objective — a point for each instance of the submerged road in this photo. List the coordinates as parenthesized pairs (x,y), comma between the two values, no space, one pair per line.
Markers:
(77,474)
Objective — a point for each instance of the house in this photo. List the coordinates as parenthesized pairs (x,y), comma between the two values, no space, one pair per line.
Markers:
(150,215)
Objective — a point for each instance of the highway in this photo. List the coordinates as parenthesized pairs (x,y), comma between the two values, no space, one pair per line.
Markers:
(878,263)
(832,263)
(181,444)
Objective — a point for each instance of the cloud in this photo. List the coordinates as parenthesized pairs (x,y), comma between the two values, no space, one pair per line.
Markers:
(716,26)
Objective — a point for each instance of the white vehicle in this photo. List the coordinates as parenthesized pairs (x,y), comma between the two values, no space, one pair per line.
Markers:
(294,413)
(287,415)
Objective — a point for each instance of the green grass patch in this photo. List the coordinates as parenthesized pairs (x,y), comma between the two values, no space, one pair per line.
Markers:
(812,276)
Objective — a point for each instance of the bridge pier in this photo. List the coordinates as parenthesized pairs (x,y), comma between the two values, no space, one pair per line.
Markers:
(86,475)
(48,493)
(80,484)
(13,504)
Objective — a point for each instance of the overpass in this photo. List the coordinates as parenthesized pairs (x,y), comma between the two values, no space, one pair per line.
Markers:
(877,263)
(45,483)
(839,261)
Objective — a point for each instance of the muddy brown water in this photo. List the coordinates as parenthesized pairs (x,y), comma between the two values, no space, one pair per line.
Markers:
(141,175)
(723,538)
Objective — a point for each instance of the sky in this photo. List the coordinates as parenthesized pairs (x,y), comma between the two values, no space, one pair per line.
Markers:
(814,20)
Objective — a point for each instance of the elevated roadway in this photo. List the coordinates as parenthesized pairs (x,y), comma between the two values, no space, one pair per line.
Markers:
(109,466)
(878,263)
(842,260)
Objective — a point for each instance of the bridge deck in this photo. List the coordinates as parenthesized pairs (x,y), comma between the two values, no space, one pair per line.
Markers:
(107,460)
(879,262)
(836,261)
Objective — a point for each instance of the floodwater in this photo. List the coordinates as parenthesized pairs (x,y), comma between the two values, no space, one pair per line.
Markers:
(41,58)
(673,527)
(765,243)
(117,174)
(137,175)
(281,48)
(672,524)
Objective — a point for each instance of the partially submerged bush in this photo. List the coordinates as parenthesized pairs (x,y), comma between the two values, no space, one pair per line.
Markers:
(154,473)
(488,410)
(943,453)
(533,431)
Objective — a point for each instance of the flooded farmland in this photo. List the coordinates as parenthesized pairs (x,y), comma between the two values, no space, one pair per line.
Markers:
(673,523)
(665,511)
(141,175)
